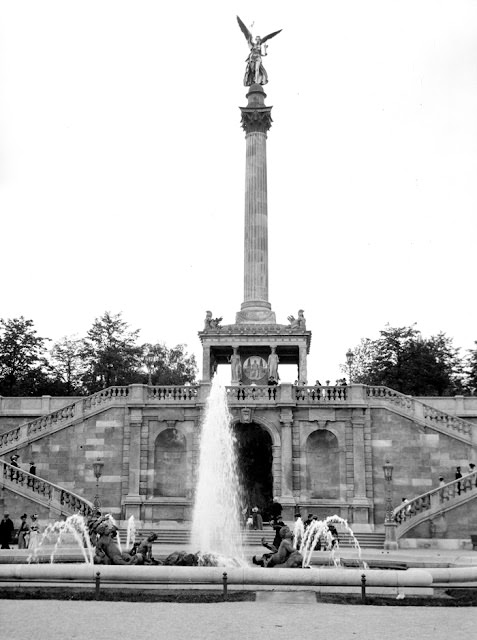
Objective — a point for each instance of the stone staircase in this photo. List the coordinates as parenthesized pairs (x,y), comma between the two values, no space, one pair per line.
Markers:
(421,413)
(177,538)
(58,500)
(433,503)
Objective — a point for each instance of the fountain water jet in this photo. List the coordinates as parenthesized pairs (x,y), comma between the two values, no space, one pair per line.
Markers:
(73,527)
(216,517)
(320,529)
(131,533)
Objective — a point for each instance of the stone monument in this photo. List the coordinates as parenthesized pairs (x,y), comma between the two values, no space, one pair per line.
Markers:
(255,337)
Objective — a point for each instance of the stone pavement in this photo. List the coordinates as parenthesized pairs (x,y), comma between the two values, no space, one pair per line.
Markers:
(67,620)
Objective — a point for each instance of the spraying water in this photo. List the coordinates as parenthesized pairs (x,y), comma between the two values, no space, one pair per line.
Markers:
(73,528)
(131,533)
(319,529)
(216,520)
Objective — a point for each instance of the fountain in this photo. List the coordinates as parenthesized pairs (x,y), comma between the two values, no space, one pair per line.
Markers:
(216,516)
(216,533)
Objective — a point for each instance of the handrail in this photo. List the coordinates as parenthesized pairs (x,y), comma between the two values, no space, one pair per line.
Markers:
(48,490)
(173,392)
(252,393)
(431,417)
(408,510)
(317,394)
(63,415)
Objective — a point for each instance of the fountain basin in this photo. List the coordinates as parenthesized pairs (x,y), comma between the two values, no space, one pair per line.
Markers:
(158,575)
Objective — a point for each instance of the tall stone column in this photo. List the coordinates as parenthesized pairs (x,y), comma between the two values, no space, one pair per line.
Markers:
(256,121)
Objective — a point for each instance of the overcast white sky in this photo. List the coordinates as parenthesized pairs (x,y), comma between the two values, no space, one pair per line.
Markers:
(122,166)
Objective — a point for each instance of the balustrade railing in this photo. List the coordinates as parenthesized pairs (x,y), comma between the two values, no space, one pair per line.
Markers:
(252,393)
(428,415)
(321,394)
(106,395)
(45,423)
(394,397)
(440,419)
(435,498)
(173,393)
(47,490)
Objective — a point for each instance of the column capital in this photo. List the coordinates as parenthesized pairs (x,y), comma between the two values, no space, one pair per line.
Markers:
(256,120)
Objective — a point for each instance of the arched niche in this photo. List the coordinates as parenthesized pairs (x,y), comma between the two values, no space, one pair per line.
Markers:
(322,465)
(170,464)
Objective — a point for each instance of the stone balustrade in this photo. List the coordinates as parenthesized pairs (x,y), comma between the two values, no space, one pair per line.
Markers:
(433,501)
(252,393)
(105,396)
(46,492)
(321,395)
(173,393)
(137,395)
(423,413)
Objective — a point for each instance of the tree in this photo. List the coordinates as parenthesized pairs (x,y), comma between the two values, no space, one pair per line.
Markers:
(171,366)
(405,361)
(110,354)
(472,370)
(67,368)
(23,367)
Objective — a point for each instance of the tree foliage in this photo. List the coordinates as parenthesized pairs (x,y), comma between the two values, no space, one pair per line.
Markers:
(405,361)
(170,366)
(23,367)
(110,353)
(67,366)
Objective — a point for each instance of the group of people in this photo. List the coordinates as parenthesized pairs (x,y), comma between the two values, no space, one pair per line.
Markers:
(28,533)
(253,519)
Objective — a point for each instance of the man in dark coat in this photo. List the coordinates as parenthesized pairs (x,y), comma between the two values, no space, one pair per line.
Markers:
(276,510)
(6,531)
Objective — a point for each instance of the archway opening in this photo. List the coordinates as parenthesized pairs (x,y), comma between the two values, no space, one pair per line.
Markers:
(254,453)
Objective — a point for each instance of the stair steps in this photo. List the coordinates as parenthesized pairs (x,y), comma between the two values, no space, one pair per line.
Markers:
(178,537)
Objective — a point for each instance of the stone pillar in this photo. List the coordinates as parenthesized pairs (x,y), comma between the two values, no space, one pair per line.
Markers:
(287,454)
(296,460)
(256,121)
(133,500)
(206,363)
(135,422)
(302,372)
(358,457)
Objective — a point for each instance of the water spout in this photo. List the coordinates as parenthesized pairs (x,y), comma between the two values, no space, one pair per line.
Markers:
(216,519)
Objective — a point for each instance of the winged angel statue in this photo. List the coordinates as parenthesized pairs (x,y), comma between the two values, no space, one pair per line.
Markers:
(255,72)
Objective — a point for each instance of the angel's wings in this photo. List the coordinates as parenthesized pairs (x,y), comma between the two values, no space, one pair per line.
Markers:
(270,35)
(248,35)
(245,31)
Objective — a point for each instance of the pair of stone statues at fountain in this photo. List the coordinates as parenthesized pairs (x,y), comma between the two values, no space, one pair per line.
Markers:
(285,557)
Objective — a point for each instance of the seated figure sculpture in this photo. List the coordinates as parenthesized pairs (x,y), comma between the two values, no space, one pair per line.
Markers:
(107,550)
(297,323)
(286,557)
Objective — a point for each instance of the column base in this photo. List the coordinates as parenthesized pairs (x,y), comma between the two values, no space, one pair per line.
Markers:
(390,542)
(255,315)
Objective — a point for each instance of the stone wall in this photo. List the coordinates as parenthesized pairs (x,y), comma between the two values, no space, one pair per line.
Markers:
(419,456)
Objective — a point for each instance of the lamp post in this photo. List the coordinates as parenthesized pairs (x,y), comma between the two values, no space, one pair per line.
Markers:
(98,471)
(349,360)
(390,525)
(150,360)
